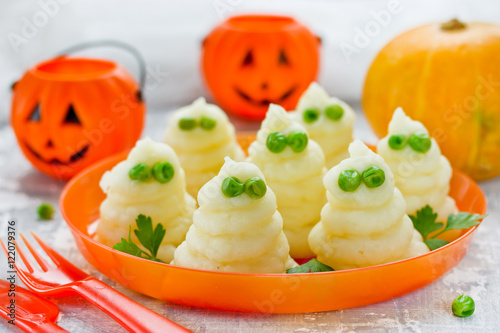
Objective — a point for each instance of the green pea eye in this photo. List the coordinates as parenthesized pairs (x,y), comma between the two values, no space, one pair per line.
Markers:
(311,115)
(207,123)
(463,306)
(276,142)
(187,124)
(373,177)
(255,188)
(140,172)
(398,141)
(232,187)
(420,142)
(163,172)
(297,141)
(349,180)
(334,112)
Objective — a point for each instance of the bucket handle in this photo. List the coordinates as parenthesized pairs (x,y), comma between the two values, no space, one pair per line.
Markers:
(138,57)
(118,44)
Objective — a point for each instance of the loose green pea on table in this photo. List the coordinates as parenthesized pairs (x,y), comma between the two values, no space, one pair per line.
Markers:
(463,306)
(45,211)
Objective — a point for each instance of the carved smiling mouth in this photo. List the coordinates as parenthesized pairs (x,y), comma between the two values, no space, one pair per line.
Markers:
(264,102)
(73,158)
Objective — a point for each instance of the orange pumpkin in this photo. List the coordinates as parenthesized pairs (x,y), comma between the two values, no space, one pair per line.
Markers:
(68,113)
(253,60)
(448,77)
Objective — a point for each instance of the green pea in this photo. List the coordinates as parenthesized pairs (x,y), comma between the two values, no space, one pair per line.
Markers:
(163,172)
(420,142)
(373,176)
(297,141)
(334,112)
(255,188)
(276,142)
(232,187)
(45,211)
(187,124)
(140,172)
(207,123)
(349,180)
(398,141)
(311,115)
(463,306)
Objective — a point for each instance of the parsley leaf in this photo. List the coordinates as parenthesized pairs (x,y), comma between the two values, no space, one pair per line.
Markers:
(425,223)
(435,243)
(463,220)
(148,238)
(312,266)
(128,246)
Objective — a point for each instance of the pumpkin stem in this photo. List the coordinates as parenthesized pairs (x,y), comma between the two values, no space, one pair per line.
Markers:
(453,25)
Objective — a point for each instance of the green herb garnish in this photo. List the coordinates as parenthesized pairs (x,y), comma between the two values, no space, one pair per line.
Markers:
(312,266)
(425,223)
(149,238)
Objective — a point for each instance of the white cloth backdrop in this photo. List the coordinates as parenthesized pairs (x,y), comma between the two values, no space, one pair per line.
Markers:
(169,32)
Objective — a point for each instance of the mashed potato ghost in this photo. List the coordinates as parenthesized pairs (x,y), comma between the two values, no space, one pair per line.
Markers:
(421,172)
(237,227)
(364,222)
(202,136)
(328,120)
(157,190)
(294,167)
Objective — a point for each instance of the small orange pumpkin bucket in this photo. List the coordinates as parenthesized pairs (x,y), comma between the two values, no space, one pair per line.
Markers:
(68,113)
(250,61)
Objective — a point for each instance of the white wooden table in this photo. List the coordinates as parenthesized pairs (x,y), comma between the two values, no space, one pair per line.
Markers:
(22,189)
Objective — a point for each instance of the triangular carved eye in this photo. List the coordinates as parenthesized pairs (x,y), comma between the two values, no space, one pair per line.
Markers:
(35,114)
(283,59)
(248,59)
(71,116)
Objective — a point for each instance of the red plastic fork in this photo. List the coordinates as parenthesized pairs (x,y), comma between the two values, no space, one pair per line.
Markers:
(65,279)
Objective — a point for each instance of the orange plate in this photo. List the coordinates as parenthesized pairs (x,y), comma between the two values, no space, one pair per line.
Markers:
(269,293)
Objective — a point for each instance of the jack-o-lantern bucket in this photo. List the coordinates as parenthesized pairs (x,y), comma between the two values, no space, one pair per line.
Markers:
(68,113)
(252,60)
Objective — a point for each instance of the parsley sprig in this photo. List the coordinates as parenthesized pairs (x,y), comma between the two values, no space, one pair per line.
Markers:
(425,223)
(312,266)
(149,238)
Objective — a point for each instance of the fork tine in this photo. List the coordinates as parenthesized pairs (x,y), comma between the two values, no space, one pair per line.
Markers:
(21,254)
(58,259)
(23,276)
(43,264)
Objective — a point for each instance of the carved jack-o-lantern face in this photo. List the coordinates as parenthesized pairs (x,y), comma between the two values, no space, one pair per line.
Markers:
(69,113)
(41,144)
(252,61)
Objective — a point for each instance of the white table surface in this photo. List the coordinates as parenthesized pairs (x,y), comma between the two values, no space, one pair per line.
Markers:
(22,189)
